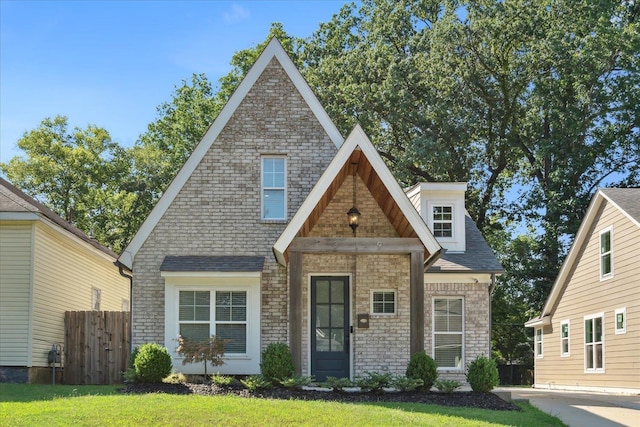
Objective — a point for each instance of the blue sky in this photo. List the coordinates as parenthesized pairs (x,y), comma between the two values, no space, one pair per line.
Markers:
(111,63)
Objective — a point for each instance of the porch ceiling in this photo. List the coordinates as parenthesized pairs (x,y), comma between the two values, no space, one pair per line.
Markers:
(359,164)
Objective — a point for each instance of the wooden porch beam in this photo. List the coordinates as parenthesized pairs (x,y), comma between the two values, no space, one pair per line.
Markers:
(359,245)
(295,309)
(416,310)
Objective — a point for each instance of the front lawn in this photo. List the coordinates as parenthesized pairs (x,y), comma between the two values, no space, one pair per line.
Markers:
(27,405)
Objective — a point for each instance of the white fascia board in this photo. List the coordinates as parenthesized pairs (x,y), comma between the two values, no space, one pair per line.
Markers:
(19,216)
(330,173)
(400,197)
(356,139)
(624,212)
(538,321)
(273,49)
(571,258)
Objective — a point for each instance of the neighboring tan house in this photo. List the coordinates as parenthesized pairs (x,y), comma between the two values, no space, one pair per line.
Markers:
(47,267)
(251,242)
(588,335)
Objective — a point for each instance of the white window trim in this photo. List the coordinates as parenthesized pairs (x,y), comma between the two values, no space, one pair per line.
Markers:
(452,221)
(462,333)
(395,301)
(622,330)
(594,370)
(248,363)
(96,298)
(539,343)
(609,230)
(568,352)
(263,188)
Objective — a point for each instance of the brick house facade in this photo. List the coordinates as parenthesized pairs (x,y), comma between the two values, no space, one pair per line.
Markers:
(273,176)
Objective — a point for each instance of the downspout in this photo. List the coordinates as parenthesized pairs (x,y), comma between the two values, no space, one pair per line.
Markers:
(121,268)
(492,286)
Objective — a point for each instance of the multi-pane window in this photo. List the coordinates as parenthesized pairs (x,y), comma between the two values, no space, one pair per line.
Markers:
(229,313)
(538,342)
(606,264)
(231,320)
(594,343)
(621,320)
(383,302)
(274,195)
(443,221)
(564,338)
(447,332)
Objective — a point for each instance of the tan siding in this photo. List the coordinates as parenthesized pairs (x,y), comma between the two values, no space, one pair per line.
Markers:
(15,279)
(64,274)
(586,295)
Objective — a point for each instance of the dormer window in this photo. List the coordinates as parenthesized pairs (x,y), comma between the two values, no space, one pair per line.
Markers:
(274,188)
(443,221)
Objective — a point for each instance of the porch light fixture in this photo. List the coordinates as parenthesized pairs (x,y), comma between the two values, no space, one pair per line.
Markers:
(354,213)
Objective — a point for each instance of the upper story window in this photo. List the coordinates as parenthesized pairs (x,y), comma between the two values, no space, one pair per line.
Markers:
(443,221)
(274,187)
(606,254)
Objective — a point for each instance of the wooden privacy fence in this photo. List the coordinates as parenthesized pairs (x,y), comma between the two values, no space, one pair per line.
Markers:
(96,349)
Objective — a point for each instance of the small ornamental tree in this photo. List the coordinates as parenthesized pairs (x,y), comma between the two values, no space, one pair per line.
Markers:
(210,350)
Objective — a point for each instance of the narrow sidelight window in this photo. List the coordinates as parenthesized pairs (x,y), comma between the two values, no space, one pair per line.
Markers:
(274,188)
(606,254)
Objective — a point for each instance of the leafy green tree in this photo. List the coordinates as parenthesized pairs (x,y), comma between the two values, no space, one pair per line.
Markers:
(76,173)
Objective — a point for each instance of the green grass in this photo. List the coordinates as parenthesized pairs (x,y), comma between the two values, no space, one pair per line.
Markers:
(27,405)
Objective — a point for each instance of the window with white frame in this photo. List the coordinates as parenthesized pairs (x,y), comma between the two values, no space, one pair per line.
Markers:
(448,321)
(564,338)
(96,299)
(443,221)
(383,302)
(274,188)
(538,342)
(594,343)
(621,321)
(229,313)
(606,254)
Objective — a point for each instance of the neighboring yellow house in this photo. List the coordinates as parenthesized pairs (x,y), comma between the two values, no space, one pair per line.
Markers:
(47,267)
(588,335)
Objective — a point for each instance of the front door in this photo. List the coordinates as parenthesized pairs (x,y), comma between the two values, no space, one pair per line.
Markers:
(330,327)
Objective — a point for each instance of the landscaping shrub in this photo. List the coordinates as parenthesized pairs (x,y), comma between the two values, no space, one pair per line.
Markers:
(374,382)
(256,382)
(422,366)
(447,386)
(482,374)
(152,363)
(404,383)
(295,381)
(337,384)
(129,375)
(175,378)
(221,380)
(277,362)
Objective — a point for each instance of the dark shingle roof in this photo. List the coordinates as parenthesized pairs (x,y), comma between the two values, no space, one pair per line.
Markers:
(478,255)
(12,199)
(224,263)
(628,199)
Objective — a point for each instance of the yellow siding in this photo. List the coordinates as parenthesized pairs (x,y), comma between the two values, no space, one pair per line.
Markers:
(587,295)
(64,274)
(15,280)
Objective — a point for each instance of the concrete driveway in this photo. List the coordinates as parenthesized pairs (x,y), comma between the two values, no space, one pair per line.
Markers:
(582,409)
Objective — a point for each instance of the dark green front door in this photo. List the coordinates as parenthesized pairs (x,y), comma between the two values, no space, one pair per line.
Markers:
(330,327)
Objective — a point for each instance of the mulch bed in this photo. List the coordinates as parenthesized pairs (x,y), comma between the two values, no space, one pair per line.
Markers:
(458,399)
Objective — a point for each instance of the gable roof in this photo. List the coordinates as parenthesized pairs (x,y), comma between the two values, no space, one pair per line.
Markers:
(478,256)
(16,205)
(627,200)
(357,148)
(273,50)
